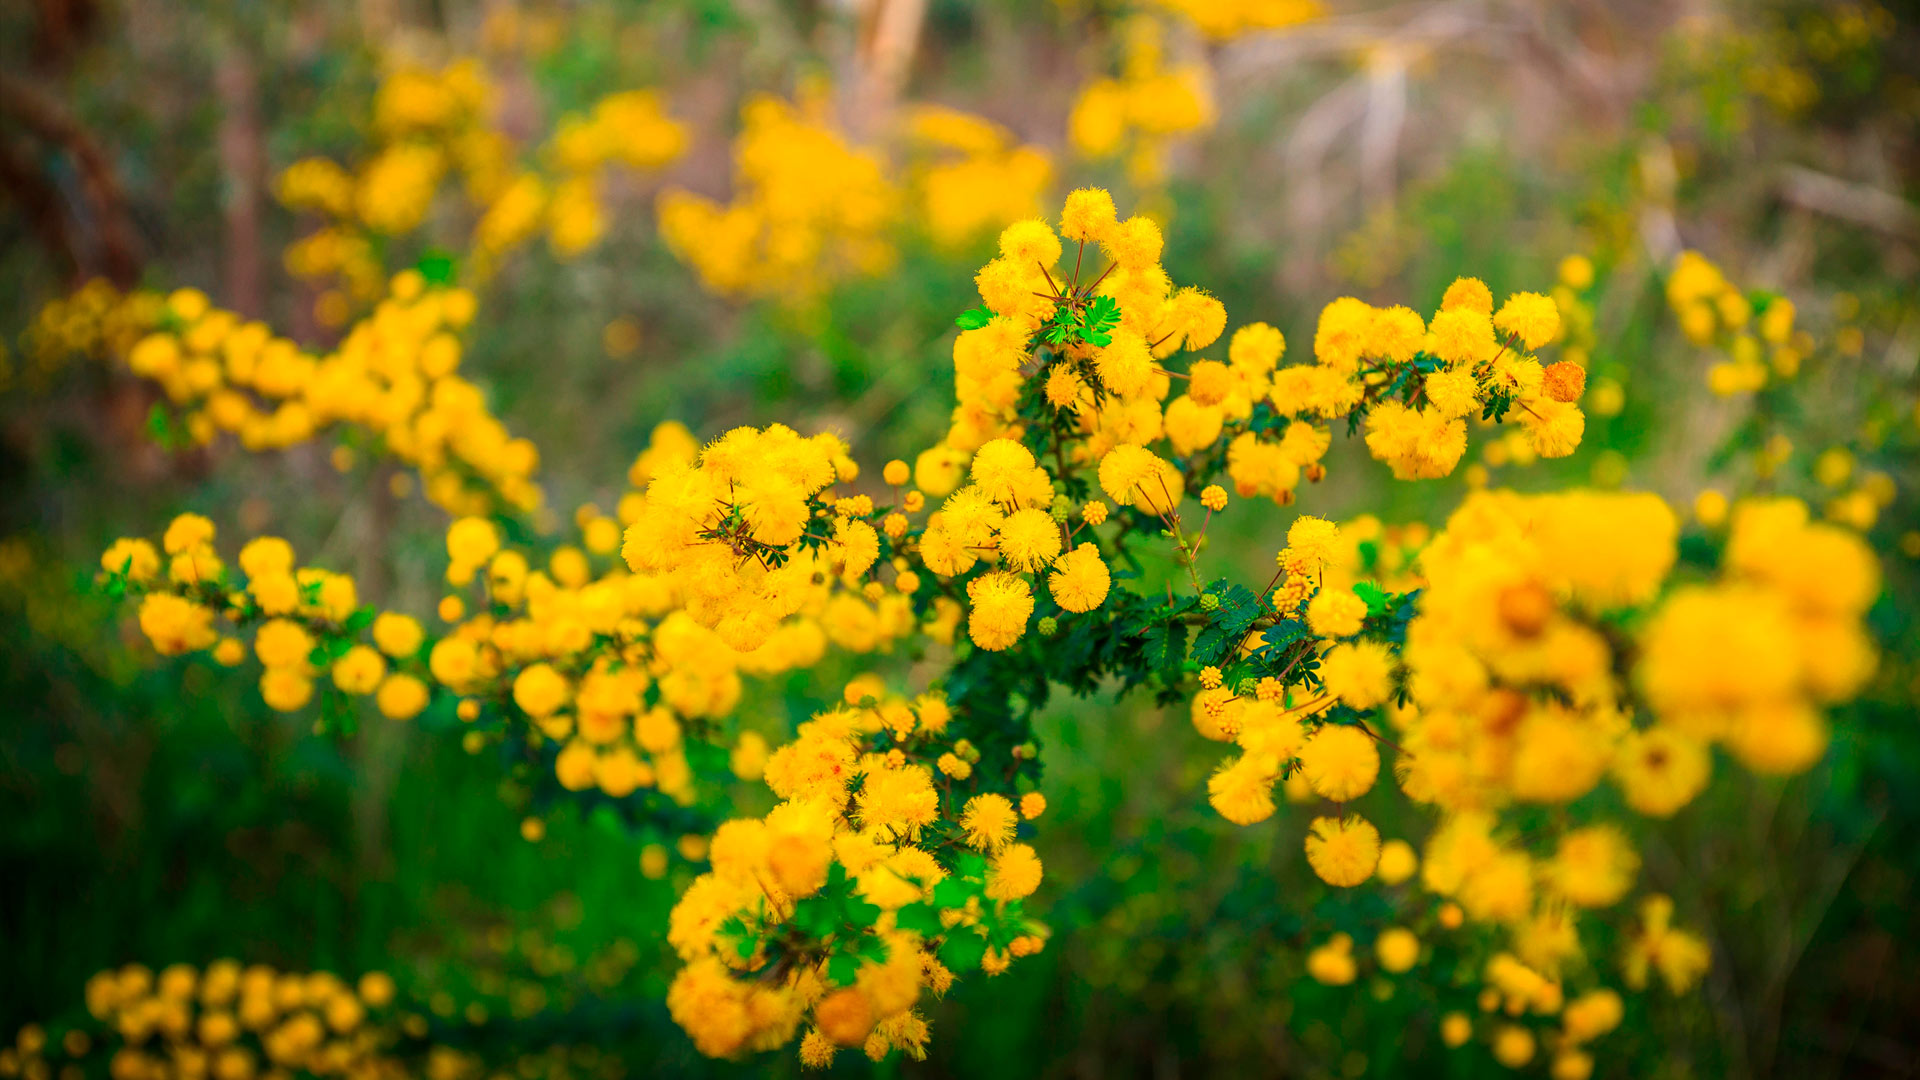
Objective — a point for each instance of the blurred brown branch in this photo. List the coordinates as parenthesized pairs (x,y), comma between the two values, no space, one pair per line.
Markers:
(39,203)
(45,117)
(243,163)
(1850,201)
(889,34)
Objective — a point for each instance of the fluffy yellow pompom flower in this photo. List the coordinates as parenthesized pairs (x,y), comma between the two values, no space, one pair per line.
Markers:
(1468,294)
(1340,762)
(989,820)
(186,532)
(1195,317)
(1135,476)
(282,643)
(1336,613)
(399,636)
(1014,874)
(855,547)
(1134,243)
(1242,790)
(1332,963)
(285,689)
(266,555)
(1397,949)
(176,625)
(1592,1015)
(1002,469)
(1453,393)
(1343,851)
(1310,542)
(401,697)
(1032,805)
(1397,862)
(1531,317)
(1256,348)
(229,652)
(359,670)
(1031,242)
(540,690)
(1395,334)
(816,1050)
(1513,1046)
(1029,539)
(1079,581)
(1554,427)
(277,594)
(998,607)
(1359,673)
(1089,216)
(1124,364)
(1192,427)
(1593,867)
(1462,335)
(1209,382)
(135,557)
(937,470)
(1064,386)
(472,541)
(1660,770)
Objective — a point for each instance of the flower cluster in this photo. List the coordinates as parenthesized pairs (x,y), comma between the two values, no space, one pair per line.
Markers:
(1755,332)
(891,867)
(812,206)
(427,126)
(732,531)
(630,128)
(1749,661)
(970,174)
(1139,112)
(1546,655)
(234,1023)
(808,208)
(1081,353)
(1604,396)
(423,123)
(1537,651)
(394,376)
(595,673)
(94,322)
(304,621)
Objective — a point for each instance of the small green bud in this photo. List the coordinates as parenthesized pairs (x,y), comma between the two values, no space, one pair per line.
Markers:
(1246,687)
(1209,602)
(1049,626)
